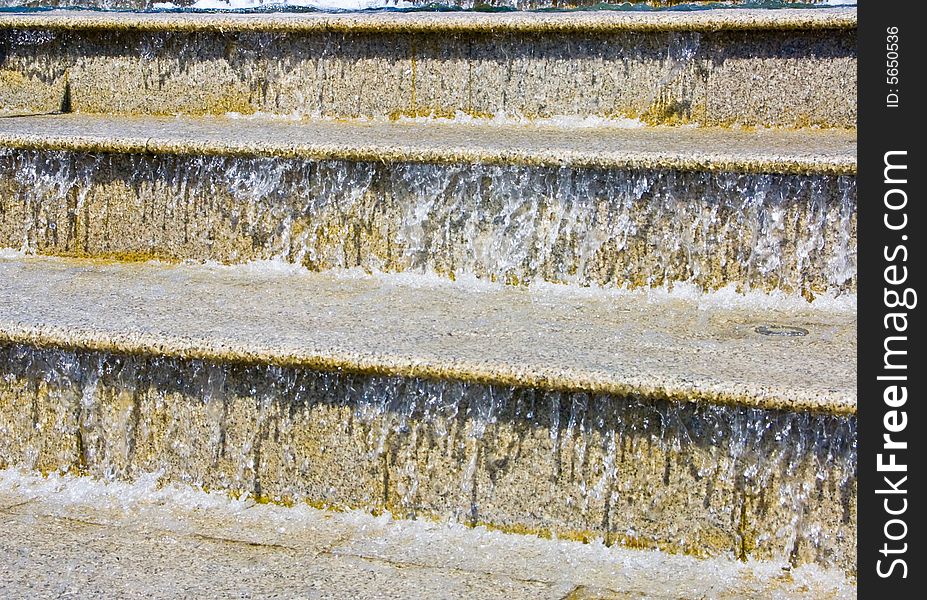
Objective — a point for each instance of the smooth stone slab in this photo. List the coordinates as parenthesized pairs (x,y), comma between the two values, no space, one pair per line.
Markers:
(831,151)
(622,343)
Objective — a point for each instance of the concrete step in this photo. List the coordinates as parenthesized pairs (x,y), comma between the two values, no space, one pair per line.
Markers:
(388,4)
(66,535)
(789,68)
(698,426)
(768,209)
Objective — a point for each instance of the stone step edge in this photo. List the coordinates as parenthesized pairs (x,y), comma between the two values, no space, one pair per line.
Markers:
(418,356)
(220,351)
(584,22)
(822,152)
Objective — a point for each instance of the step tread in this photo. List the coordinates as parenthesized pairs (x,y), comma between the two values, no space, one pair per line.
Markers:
(136,533)
(553,338)
(391,22)
(831,151)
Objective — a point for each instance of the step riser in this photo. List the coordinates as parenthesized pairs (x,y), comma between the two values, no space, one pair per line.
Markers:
(777,78)
(506,223)
(694,478)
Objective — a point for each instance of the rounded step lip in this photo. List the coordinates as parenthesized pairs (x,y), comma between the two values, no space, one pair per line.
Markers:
(831,152)
(626,245)
(581,22)
(610,344)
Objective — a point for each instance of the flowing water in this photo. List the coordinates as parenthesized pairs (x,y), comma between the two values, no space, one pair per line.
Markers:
(359,5)
(613,228)
(682,476)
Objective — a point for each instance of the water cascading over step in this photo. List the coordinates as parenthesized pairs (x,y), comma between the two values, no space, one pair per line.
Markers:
(397,4)
(615,228)
(696,478)
(586,274)
(657,424)
(785,69)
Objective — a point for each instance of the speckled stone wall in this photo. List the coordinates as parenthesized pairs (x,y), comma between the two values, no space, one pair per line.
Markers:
(692,478)
(788,78)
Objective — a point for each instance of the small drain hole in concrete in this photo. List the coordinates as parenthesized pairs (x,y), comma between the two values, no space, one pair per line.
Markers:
(781,330)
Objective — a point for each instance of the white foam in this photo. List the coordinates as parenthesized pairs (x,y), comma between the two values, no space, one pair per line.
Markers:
(329,5)
(416,544)
(270,266)
(68,490)
(461,118)
(727,297)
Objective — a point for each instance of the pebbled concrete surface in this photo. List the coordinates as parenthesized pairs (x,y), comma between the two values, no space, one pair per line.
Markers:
(620,344)
(601,205)
(465,4)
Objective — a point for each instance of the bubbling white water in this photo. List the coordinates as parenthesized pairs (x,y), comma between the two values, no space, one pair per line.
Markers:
(586,227)
(453,449)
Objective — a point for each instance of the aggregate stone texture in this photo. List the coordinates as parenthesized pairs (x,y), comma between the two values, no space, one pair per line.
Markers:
(738,19)
(197,328)
(687,478)
(788,68)
(68,535)
(615,344)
